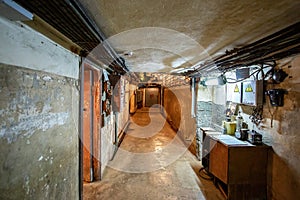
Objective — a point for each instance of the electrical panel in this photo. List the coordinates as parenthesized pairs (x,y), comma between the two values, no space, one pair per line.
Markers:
(252,93)
(234,92)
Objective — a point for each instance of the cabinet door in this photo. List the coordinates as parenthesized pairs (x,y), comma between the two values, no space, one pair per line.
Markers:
(218,161)
(248,165)
(247,173)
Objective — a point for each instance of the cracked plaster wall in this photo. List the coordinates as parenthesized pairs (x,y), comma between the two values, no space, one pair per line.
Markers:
(38,135)
(38,116)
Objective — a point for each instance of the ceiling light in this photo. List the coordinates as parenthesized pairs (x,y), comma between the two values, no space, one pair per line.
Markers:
(129,54)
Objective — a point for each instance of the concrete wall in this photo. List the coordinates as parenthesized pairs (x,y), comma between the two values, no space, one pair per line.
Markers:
(107,142)
(38,136)
(111,128)
(177,103)
(283,135)
(38,116)
(22,46)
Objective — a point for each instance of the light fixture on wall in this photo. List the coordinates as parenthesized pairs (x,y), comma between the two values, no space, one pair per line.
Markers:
(279,75)
(220,80)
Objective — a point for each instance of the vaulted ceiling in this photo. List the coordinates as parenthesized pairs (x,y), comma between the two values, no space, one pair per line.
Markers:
(173,35)
(168,35)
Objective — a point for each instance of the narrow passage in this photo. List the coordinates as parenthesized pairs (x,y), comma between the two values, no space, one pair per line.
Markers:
(152,163)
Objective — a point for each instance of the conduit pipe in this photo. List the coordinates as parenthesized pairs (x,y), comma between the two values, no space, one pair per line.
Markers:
(276,46)
(78,8)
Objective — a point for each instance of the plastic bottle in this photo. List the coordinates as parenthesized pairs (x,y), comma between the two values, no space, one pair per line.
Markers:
(239,121)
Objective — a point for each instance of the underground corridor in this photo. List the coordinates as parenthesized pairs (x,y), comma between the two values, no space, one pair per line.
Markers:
(166,174)
(159,144)
(148,160)
(140,99)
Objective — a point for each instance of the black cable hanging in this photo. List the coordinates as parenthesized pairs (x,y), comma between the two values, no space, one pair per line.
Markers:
(279,45)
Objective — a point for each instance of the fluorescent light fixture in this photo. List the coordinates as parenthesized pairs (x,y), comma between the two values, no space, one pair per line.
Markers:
(176,70)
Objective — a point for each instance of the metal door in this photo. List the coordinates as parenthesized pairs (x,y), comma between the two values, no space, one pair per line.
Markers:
(152,96)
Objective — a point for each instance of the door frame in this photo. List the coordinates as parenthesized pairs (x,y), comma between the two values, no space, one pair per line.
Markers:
(87,65)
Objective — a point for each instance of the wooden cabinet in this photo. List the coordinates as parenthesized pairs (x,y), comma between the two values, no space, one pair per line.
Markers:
(241,168)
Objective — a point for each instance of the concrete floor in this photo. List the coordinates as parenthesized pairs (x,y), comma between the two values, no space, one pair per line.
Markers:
(152,163)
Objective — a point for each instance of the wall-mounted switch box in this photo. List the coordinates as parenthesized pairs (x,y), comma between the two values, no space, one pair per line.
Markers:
(234,92)
(252,92)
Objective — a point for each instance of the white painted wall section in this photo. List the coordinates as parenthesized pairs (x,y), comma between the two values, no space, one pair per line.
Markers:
(24,47)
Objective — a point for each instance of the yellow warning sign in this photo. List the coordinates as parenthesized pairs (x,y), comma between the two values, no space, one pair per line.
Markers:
(236,89)
(249,88)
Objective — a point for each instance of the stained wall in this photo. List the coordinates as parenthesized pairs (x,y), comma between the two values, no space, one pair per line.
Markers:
(38,116)
(114,125)
(177,104)
(280,128)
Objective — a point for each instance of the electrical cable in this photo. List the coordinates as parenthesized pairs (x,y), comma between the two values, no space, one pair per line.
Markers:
(222,190)
(246,77)
(257,71)
(207,175)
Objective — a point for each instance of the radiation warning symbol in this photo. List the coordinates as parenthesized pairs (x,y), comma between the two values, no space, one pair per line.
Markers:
(236,88)
(249,88)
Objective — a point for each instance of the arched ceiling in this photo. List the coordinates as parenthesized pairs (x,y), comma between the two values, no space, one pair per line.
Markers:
(168,35)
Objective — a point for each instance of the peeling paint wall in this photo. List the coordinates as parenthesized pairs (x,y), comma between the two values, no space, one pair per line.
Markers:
(115,123)
(38,116)
(38,135)
(283,136)
(24,47)
(107,142)
(123,115)
(132,99)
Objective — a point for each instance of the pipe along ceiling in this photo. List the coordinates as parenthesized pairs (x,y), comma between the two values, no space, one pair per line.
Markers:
(281,44)
(71,19)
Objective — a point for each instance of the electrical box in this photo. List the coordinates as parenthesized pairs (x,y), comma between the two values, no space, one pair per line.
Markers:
(252,92)
(234,92)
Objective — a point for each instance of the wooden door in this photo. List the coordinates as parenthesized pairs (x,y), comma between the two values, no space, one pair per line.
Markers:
(91,118)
